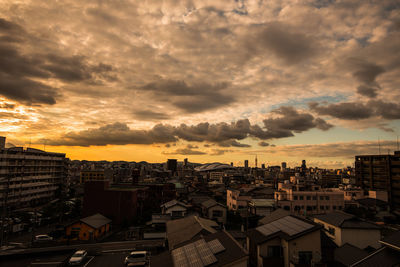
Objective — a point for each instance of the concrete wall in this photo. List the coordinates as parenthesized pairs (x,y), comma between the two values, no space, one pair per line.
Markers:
(219,219)
(308,242)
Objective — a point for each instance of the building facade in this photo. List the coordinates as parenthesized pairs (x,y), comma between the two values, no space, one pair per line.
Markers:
(30,177)
(380,172)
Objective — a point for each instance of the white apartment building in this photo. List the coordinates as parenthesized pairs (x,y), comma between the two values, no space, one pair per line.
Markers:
(312,199)
(29,177)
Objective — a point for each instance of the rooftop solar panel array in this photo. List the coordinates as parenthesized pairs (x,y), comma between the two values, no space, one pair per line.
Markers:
(216,246)
(288,225)
(197,254)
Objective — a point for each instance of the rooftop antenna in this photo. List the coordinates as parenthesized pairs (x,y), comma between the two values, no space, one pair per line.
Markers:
(256,160)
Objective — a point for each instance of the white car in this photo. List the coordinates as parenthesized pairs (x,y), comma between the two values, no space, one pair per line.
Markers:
(137,258)
(43,238)
(78,257)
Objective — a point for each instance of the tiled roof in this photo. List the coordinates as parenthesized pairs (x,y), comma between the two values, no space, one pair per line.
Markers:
(345,220)
(96,221)
(349,254)
(182,230)
(273,216)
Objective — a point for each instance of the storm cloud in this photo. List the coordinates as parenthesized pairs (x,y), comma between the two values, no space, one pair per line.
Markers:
(288,122)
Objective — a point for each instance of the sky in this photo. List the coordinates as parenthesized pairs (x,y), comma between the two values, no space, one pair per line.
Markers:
(211,81)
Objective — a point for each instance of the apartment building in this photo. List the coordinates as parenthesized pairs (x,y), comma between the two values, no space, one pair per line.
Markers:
(380,172)
(30,177)
(308,199)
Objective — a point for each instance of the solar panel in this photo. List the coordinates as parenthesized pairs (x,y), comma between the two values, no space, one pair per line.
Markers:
(205,252)
(179,258)
(215,246)
(192,256)
(288,225)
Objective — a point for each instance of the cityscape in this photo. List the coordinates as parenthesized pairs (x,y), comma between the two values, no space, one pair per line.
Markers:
(197,133)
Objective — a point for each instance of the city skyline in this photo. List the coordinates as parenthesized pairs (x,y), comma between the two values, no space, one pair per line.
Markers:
(212,81)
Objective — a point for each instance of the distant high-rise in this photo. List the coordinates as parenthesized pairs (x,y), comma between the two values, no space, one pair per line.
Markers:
(172,165)
(232,164)
(283,164)
(246,163)
(263,166)
(303,164)
(256,162)
(185,162)
(2,142)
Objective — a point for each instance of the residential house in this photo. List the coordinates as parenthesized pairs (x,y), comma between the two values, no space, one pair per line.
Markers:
(261,207)
(216,249)
(344,228)
(288,241)
(89,228)
(213,210)
(185,229)
(174,208)
(387,256)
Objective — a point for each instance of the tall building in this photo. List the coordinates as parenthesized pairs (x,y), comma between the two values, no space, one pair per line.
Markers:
(380,172)
(30,177)
(283,164)
(172,165)
(246,163)
(185,162)
(303,164)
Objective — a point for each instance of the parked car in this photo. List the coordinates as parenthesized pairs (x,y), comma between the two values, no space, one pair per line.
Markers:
(43,238)
(138,258)
(78,257)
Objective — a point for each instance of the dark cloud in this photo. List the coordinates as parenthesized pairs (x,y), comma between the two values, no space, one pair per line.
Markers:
(263,143)
(7,105)
(285,42)
(290,121)
(358,110)
(22,75)
(188,150)
(150,115)
(219,152)
(366,73)
(190,98)
(233,143)
(367,91)
(346,111)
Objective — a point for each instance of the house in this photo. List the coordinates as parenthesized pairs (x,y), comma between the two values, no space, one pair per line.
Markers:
(213,210)
(185,229)
(387,256)
(89,228)
(217,249)
(174,208)
(261,207)
(288,241)
(273,216)
(347,255)
(344,228)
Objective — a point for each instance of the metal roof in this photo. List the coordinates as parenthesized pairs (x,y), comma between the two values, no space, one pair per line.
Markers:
(289,225)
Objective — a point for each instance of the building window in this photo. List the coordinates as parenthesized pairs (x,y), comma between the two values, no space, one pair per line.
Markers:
(274,251)
(308,197)
(309,208)
(295,197)
(340,207)
(301,197)
(217,213)
(314,198)
(327,207)
(327,197)
(305,257)
(334,207)
(321,207)
(286,208)
(321,198)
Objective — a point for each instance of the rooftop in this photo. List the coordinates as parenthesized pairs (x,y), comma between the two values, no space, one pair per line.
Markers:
(345,220)
(96,221)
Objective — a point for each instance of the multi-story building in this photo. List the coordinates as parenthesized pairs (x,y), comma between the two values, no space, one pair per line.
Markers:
(93,175)
(380,172)
(29,177)
(308,199)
